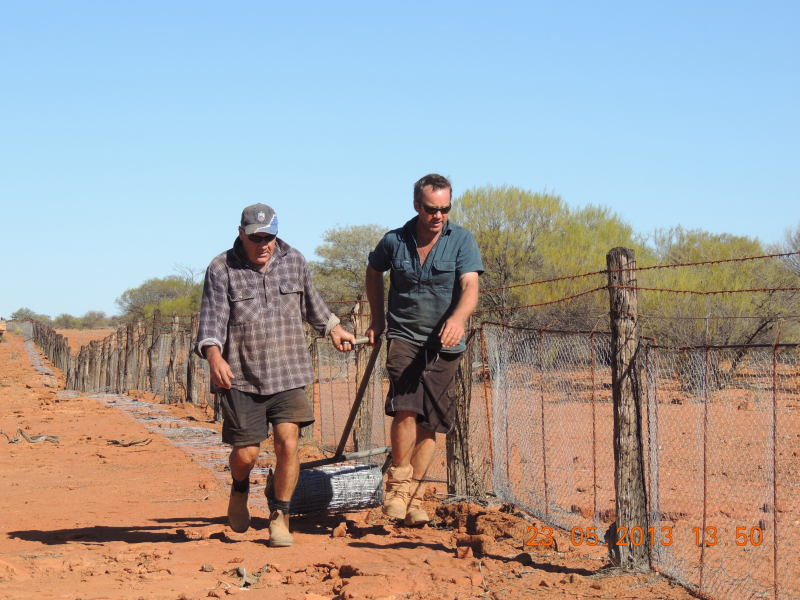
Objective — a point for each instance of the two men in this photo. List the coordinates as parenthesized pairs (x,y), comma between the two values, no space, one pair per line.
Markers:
(435,267)
(255,298)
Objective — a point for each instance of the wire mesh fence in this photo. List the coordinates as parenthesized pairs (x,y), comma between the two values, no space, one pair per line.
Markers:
(550,422)
(724,447)
(722,427)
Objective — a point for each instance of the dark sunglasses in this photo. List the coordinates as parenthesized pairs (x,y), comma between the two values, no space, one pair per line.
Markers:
(432,210)
(261,239)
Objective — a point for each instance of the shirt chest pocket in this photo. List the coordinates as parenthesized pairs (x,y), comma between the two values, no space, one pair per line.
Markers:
(290,297)
(244,304)
(443,274)
(404,278)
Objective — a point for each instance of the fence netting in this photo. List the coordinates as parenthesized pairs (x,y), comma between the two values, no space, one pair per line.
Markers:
(551,423)
(724,472)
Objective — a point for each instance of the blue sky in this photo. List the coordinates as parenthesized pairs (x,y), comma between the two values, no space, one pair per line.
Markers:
(133,134)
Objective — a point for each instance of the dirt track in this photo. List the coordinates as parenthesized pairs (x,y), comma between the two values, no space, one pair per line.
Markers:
(88,519)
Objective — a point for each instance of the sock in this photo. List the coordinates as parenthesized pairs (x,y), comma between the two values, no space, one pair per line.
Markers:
(241,486)
(281,506)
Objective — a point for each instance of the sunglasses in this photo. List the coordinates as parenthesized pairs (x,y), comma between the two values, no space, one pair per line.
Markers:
(261,239)
(432,210)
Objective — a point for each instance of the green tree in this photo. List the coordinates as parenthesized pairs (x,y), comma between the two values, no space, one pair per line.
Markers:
(27,313)
(180,293)
(738,318)
(527,236)
(340,274)
(791,243)
(94,319)
(66,321)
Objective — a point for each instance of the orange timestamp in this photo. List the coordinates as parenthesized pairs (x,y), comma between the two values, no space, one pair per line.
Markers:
(637,536)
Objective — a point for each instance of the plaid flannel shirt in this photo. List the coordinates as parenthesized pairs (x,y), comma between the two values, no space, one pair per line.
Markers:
(256,319)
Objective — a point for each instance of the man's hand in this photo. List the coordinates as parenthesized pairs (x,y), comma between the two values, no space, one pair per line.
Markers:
(374,332)
(453,329)
(338,335)
(452,332)
(221,373)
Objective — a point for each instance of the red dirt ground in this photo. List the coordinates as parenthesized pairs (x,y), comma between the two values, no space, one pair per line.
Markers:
(80,337)
(90,520)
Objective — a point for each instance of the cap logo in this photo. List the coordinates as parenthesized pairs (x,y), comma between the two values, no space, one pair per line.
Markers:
(261,216)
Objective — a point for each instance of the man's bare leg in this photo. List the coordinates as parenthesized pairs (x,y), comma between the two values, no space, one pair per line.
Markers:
(411,444)
(287,465)
(412,452)
(241,460)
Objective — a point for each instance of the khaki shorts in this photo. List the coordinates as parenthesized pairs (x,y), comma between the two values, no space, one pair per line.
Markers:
(422,381)
(246,416)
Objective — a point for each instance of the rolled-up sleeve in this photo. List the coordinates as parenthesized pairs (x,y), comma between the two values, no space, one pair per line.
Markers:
(214,309)
(315,311)
(469,256)
(380,258)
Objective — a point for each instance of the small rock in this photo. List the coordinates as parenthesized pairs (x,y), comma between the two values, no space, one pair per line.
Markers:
(346,571)
(334,573)
(207,568)
(237,559)
(524,559)
(477,580)
(464,552)
(543,583)
(216,594)
(231,591)
(340,531)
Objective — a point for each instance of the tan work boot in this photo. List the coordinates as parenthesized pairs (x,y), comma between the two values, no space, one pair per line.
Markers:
(398,491)
(238,513)
(415,515)
(279,536)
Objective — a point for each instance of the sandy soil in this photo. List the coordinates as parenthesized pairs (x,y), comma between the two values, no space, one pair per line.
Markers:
(80,337)
(89,519)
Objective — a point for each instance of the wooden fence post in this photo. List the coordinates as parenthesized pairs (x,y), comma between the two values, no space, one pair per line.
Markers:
(629,484)
(120,382)
(154,352)
(462,479)
(173,359)
(195,380)
(127,380)
(101,384)
(142,346)
(362,428)
(93,367)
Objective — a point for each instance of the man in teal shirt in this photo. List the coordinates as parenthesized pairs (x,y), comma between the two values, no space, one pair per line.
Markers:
(434,268)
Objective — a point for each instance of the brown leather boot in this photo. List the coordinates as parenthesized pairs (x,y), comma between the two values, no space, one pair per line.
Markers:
(279,536)
(415,515)
(398,491)
(238,513)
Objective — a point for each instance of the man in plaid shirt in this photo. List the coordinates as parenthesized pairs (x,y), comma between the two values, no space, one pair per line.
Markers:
(255,299)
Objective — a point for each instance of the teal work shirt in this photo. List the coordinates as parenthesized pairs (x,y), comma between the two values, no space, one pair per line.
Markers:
(422,297)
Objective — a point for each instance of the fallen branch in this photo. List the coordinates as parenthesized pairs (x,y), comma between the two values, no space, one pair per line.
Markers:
(142,442)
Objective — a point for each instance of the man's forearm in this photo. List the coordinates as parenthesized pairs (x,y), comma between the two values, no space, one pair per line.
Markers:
(468,301)
(375,294)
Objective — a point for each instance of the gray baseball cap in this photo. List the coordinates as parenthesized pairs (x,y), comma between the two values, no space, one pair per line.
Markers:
(259,218)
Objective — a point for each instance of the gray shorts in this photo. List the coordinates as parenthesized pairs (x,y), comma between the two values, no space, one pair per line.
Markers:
(422,381)
(246,416)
